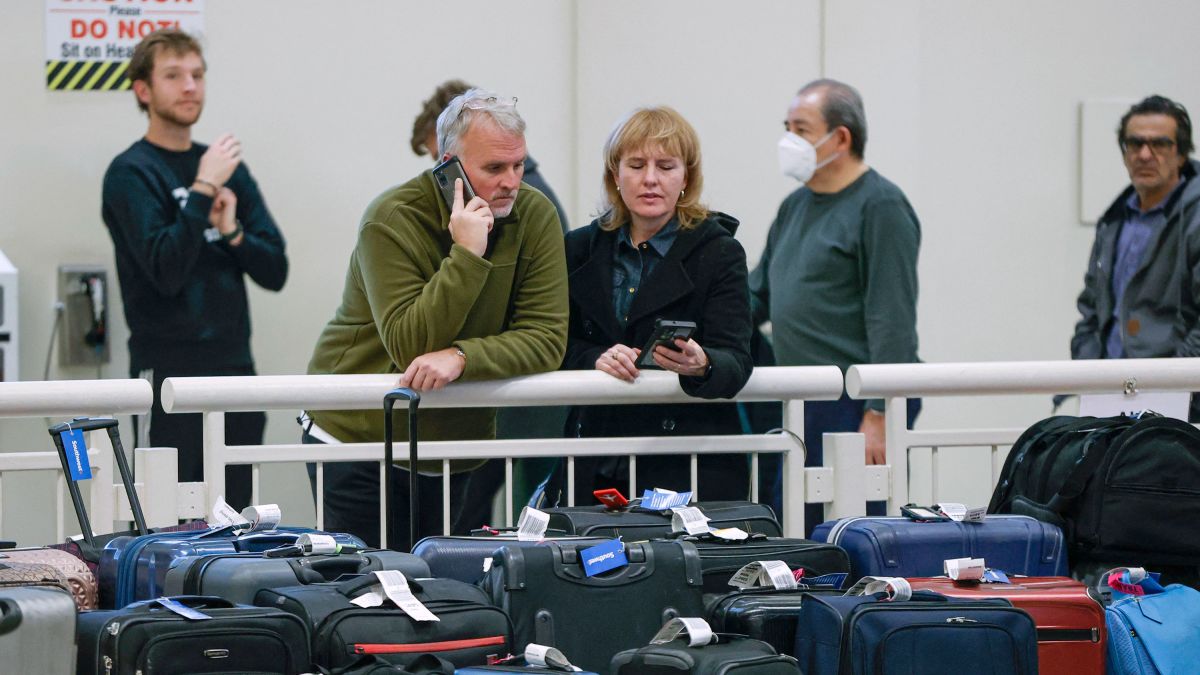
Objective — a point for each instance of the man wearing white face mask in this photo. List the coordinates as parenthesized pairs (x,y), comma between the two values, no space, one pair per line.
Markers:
(838,276)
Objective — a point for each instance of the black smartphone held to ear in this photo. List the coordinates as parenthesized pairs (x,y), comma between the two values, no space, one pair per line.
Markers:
(664,334)
(444,175)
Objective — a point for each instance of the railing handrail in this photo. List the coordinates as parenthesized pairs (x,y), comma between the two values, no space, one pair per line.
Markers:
(362,392)
(73,398)
(1107,376)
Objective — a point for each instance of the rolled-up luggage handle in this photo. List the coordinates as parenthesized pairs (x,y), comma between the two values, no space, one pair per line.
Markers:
(389,401)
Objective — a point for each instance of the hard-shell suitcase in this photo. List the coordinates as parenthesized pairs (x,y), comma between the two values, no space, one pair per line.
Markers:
(464,558)
(722,655)
(720,559)
(135,568)
(929,634)
(553,602)
(766,614)
(149,638)
(1069,618)
(638,524)
(31,575)
(900,547)
(37,631)
(239,577)
(468,632)
(81,580)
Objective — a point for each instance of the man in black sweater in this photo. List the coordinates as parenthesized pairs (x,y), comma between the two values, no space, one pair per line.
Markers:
(188,223)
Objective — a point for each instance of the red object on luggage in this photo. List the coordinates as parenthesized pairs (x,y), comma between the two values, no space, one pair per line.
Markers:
(1070,621)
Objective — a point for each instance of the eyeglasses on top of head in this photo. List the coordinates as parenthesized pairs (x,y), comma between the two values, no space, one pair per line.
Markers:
(489,102)
(1158,144)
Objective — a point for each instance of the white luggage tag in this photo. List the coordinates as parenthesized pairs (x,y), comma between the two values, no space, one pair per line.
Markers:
(660,499)
(774,573)
(262,517)
(224,515)
(897,588)
(311,543)
(964,569)
(532,525)
(181,609)
(395,588)
(960,513)
(689,519)
(550,658)
(698,631)
(731,533)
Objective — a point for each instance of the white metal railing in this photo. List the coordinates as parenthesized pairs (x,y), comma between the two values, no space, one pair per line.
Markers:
(896,383)
(215,396)
(106,501)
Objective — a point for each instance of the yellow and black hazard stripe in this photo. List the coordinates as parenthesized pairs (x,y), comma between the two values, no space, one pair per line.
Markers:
(87,75)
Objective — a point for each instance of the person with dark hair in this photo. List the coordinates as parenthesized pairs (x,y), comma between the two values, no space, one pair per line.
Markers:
(188,224)
(838,276)
(1141,291)
(656,252)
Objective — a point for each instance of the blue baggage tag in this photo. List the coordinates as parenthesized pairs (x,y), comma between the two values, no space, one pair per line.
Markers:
(603,557)
(77,457)
(991,576)
(664,501)
(835,580)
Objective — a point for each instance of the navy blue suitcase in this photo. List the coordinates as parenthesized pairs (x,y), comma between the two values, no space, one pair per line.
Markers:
(900,547)
(929,634)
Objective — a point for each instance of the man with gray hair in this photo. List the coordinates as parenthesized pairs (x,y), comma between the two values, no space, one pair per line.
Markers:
(838,276)
(435,293)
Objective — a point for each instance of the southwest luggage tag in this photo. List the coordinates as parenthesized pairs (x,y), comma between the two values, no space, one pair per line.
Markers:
(603,557)
(75,448)
(262,516)
(774,573)
(182,610)
(395,587)
(659,499)
(532,524)
(833,580)
(897,588)
(698,631)
(612,498)
(959,513)
(689,519)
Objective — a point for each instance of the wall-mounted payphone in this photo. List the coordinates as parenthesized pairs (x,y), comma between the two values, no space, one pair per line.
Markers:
(83,292)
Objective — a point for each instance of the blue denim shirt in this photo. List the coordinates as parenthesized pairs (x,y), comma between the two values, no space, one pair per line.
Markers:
(1136,232)
(632,264)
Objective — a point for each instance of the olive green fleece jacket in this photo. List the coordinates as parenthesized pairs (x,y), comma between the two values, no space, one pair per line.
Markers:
(410,290)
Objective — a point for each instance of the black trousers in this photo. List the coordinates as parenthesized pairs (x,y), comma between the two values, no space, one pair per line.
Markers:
(186,432)
(352,500)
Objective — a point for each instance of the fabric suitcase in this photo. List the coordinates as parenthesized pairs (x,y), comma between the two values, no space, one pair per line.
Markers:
(765,614)
(929,634)
(135,568)
(484,670)
(900,547)
(32,575)
(37,631)
(463,558)
(469,629)
(238,577)
(80,579)
(637,524)
(720,559)
(552,602)
(1070,620)
(1151,629)
(730,654)
(147,638)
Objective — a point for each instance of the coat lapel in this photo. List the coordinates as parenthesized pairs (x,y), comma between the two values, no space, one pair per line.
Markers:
(669,281)
(590,287)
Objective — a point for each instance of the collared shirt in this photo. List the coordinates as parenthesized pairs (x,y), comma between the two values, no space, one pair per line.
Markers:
(633,264)
(1136,232)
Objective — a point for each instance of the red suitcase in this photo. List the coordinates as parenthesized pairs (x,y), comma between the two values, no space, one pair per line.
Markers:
(1070,620)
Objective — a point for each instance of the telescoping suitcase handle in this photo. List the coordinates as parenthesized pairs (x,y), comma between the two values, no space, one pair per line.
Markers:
(114,436)
(389,401)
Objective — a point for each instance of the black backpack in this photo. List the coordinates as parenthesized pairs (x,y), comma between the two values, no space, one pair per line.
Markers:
(1119,487)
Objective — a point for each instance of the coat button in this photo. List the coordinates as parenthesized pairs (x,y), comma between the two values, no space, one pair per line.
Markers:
(668,424)
(1133,327)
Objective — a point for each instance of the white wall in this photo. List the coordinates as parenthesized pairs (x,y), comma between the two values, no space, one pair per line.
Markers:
(973,110)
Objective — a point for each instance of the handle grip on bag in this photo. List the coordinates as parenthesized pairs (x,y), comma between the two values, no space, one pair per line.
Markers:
(12,615)
(351,586)
(389,401)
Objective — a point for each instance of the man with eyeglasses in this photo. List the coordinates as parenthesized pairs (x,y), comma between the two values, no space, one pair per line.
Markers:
(1140,292)
(838,276)
(435,294)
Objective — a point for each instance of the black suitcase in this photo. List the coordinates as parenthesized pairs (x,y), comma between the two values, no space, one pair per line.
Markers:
(469,630)
(729,655)
(720,559)
(765,614)
(464,558)
(147,638)
(553,603)
(638,524)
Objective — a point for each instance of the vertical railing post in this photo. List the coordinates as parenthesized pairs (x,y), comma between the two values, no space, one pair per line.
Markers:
(157,470)
(793,472)
(216,454)
(846,454)
(896,441)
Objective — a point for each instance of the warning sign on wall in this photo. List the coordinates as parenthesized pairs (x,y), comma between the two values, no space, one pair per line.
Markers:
(88,42)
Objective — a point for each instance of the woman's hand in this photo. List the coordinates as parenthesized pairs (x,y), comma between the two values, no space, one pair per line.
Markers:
(689,360)
(620,362)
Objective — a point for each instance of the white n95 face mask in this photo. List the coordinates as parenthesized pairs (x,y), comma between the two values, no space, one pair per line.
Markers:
(798,157)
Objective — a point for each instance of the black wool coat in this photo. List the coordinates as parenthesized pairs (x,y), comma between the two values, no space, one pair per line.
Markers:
(702,279)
